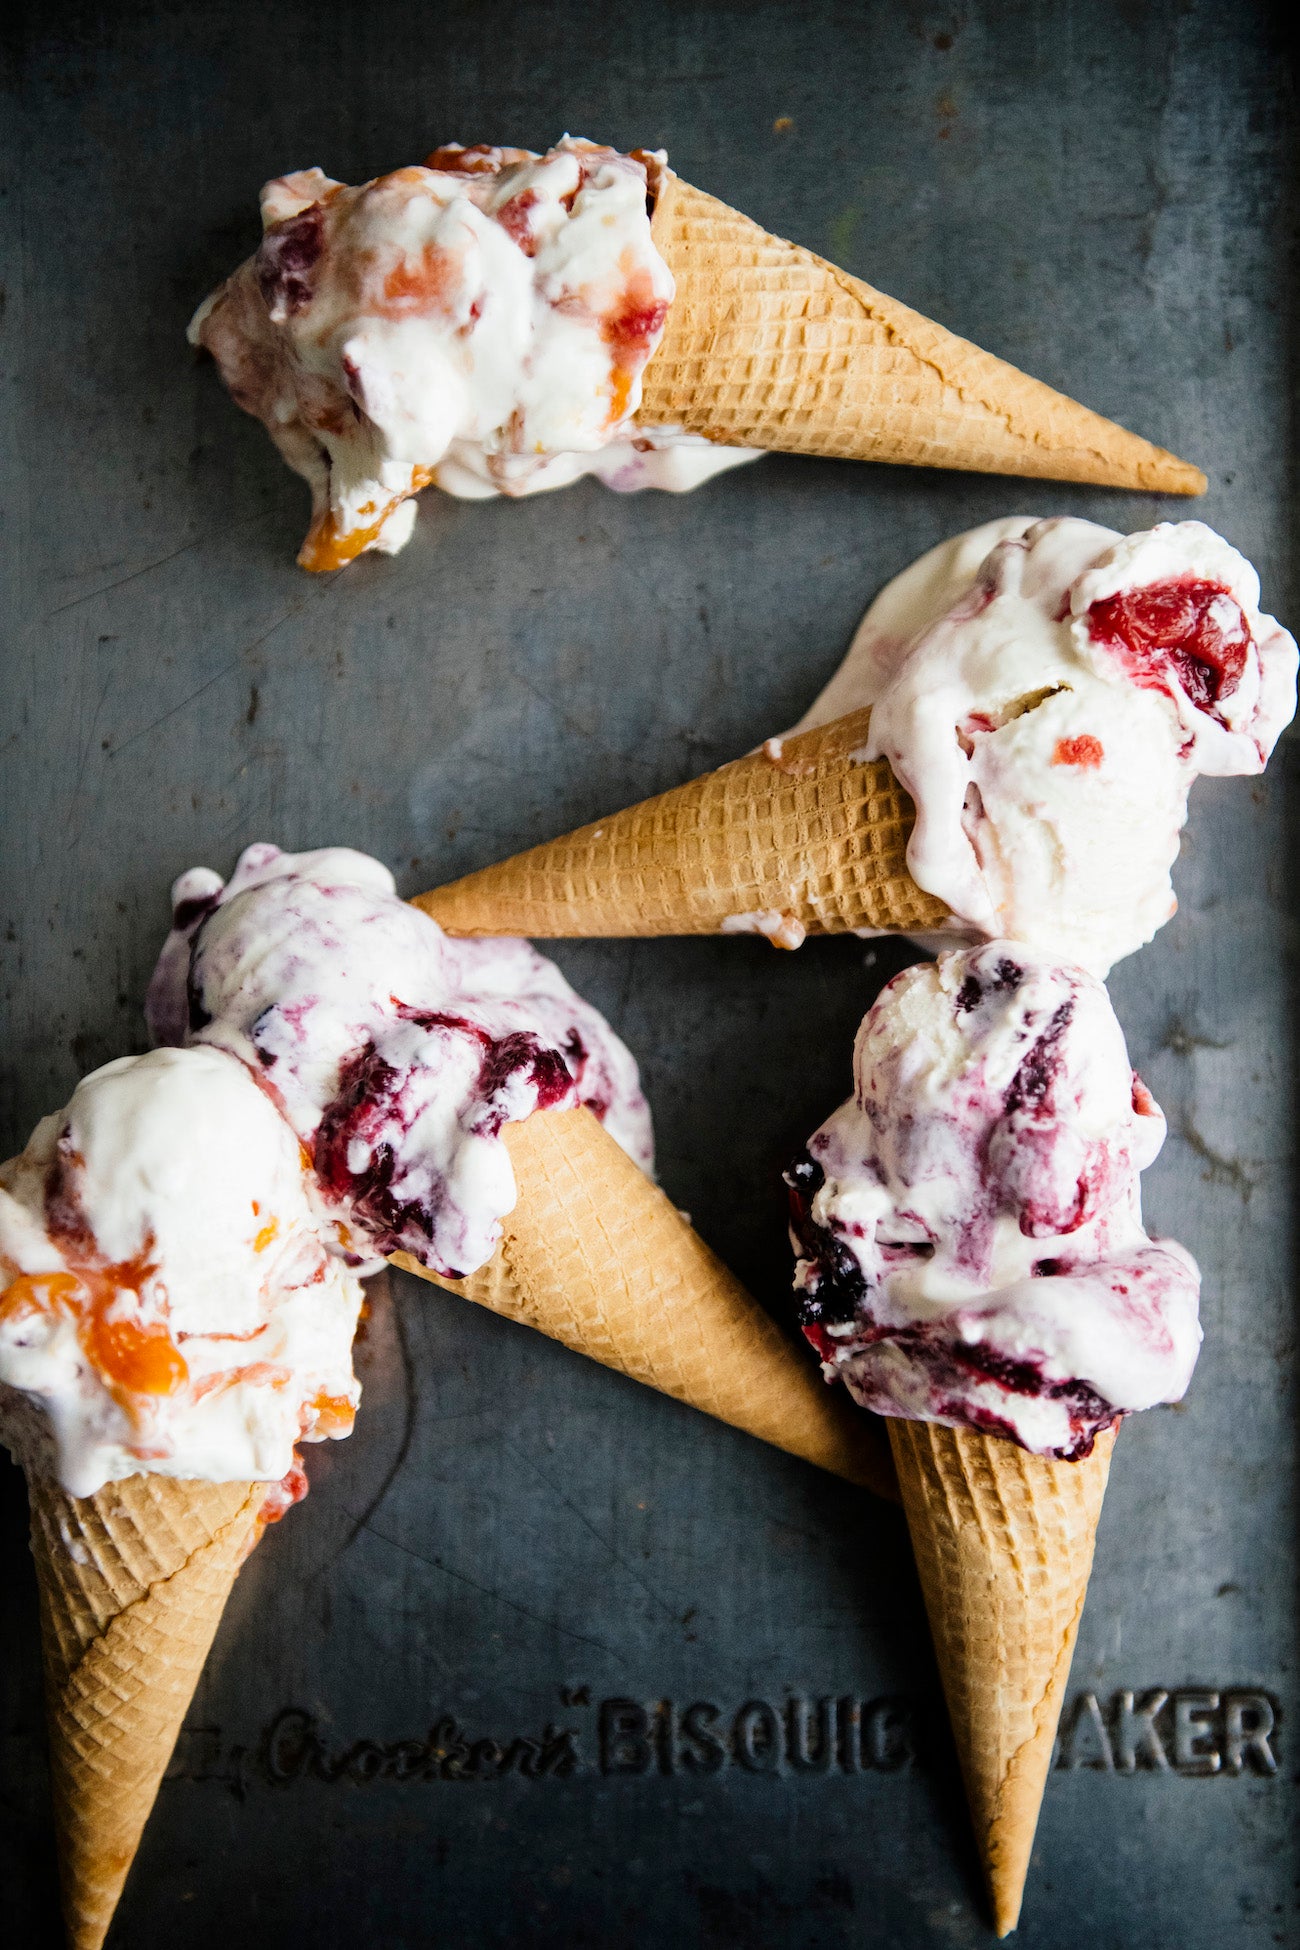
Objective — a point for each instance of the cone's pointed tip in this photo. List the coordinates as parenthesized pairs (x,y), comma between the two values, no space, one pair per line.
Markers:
(1006,1893)
(1006,1908)
(1184,478)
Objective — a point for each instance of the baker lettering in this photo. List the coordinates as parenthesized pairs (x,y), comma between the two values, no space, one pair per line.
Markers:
(1190,1731)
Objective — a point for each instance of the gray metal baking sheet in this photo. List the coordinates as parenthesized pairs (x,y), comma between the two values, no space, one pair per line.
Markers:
(542,1660)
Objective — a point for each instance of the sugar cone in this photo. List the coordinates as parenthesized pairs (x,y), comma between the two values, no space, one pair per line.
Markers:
(597,1257)
(133,1582)
(767,345)
(1003,1543)
(801,835)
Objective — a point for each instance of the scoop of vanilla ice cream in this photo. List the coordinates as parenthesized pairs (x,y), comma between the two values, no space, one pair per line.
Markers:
(396,1052)
(1047,692)
(481,322)
(168,1296)
(968,1225)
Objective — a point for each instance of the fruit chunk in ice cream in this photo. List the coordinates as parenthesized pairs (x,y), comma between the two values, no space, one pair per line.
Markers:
(481,323)
(1047,691)
(395,1052)
(968,1225)
(168,1292)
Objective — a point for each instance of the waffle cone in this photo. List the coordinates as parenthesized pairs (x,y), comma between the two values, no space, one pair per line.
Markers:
(802,835)
(767,345)
(1003,1543)
(597,1257)
(133,1582)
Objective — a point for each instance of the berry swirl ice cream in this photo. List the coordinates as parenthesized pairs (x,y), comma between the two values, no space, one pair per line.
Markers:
(481,322)
(169,1295)
(968,1225)
(395,1053)
(1047,691)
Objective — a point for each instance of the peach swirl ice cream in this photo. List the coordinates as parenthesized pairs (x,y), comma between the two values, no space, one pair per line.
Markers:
(968,1225)
(169,1296)
(480,322)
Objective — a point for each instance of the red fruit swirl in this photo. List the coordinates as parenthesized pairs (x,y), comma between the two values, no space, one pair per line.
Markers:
(1182,630)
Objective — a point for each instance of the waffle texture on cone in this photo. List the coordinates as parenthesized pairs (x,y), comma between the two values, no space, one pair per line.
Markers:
(767,345)
(1003,1543)
(597,1257)
(133,1581)
(803,831)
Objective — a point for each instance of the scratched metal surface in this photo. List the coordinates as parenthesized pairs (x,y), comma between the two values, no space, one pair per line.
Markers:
(514,1539)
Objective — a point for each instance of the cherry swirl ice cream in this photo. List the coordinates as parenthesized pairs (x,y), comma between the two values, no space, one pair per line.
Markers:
(480,322)
(394,1053)
(1047,691)
(968,1225)
(171,1299)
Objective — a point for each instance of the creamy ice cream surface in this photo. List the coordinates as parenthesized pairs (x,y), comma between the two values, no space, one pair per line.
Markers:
(968,1225)
(1047,691)
(168,1292)
(395,1052)
(480,322)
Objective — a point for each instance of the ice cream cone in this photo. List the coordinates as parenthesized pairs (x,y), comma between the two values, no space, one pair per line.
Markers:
(801,837)
(133,1581)
(767,345)
(1003,1543)
(597,1257)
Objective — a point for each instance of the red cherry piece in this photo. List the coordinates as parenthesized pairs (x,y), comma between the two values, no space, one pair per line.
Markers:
(1183,630)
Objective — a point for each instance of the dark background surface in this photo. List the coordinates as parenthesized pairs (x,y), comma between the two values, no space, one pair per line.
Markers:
(1103,193)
